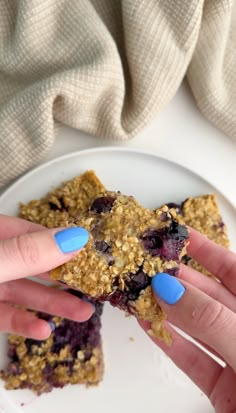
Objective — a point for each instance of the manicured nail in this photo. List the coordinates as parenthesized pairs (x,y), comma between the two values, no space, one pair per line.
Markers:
(71,239)
(168,288)
(52,325)
(86,300)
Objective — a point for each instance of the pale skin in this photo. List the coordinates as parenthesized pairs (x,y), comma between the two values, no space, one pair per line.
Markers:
(29,249)
(206,312)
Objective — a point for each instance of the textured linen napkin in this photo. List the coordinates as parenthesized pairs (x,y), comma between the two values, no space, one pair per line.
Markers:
(107,67)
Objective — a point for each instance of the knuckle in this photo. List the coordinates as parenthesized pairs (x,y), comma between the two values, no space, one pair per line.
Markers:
(5,291)
(27,250)
(206,316)
(227,271)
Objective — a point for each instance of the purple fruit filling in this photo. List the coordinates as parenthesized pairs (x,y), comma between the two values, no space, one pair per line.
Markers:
(102,204)
(79,336)
(14,369)
(167,243)
(105,249)
(134,286)
(173,205)
(173,271)
(48,372)
(12,353)
(220,225)
(29,342)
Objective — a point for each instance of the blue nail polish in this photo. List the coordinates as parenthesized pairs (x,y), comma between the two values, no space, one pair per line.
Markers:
(71,239)
(86,300)
(52,325)
(167,288)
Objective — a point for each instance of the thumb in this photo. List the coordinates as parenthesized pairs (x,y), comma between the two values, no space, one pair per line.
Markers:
(197,314)
(38,252)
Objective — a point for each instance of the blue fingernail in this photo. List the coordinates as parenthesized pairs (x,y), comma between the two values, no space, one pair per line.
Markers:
(86,300)
(71,239)
(52,325)
(167,288)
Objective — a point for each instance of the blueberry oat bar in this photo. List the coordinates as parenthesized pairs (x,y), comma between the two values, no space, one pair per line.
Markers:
(60,205)
(128,245)
(202,213)
(126,248)
(72,354)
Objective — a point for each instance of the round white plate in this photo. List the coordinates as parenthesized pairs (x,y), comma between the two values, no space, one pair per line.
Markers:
(138,376)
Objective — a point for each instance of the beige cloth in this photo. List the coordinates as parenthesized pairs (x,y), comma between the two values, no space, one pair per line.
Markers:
(107,67)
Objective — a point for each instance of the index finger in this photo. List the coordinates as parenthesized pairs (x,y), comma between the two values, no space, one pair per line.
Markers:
(13,226)
(216,259)
(198,315)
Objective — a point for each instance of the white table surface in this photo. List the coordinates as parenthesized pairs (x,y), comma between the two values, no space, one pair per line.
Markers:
(180,133)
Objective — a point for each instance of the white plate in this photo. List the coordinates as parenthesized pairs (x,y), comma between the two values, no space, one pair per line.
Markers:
(138,376)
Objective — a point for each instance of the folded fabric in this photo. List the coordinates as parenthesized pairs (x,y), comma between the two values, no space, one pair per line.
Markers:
(107,67)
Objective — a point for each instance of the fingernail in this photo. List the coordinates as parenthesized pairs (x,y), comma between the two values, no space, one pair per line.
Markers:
(52,325)
(71,239)
(86,300)
(167,288)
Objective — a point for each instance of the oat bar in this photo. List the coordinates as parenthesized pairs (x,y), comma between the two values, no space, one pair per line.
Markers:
(72,354)
(202,213)
(63,203)
(128,244)
(114,263)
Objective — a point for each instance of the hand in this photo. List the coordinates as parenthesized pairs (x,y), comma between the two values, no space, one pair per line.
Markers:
(205,309)
(30,249)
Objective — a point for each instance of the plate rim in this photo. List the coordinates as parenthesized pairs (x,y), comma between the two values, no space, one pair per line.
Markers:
(108,148)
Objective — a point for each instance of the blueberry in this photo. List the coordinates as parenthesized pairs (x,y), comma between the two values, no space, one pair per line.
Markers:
(12,353)
(152,241)
(29,342)
(102,204)
(173,271)
(185,259)
(119,299)
(177,231)
(177,207)
(136,283)
(166,243)
(48,372)
(53,206)
(173,205)
(14,369)
(103,247)
(78,336)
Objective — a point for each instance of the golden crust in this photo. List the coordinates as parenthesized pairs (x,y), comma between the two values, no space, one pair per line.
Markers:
(61,204)
(203,214)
